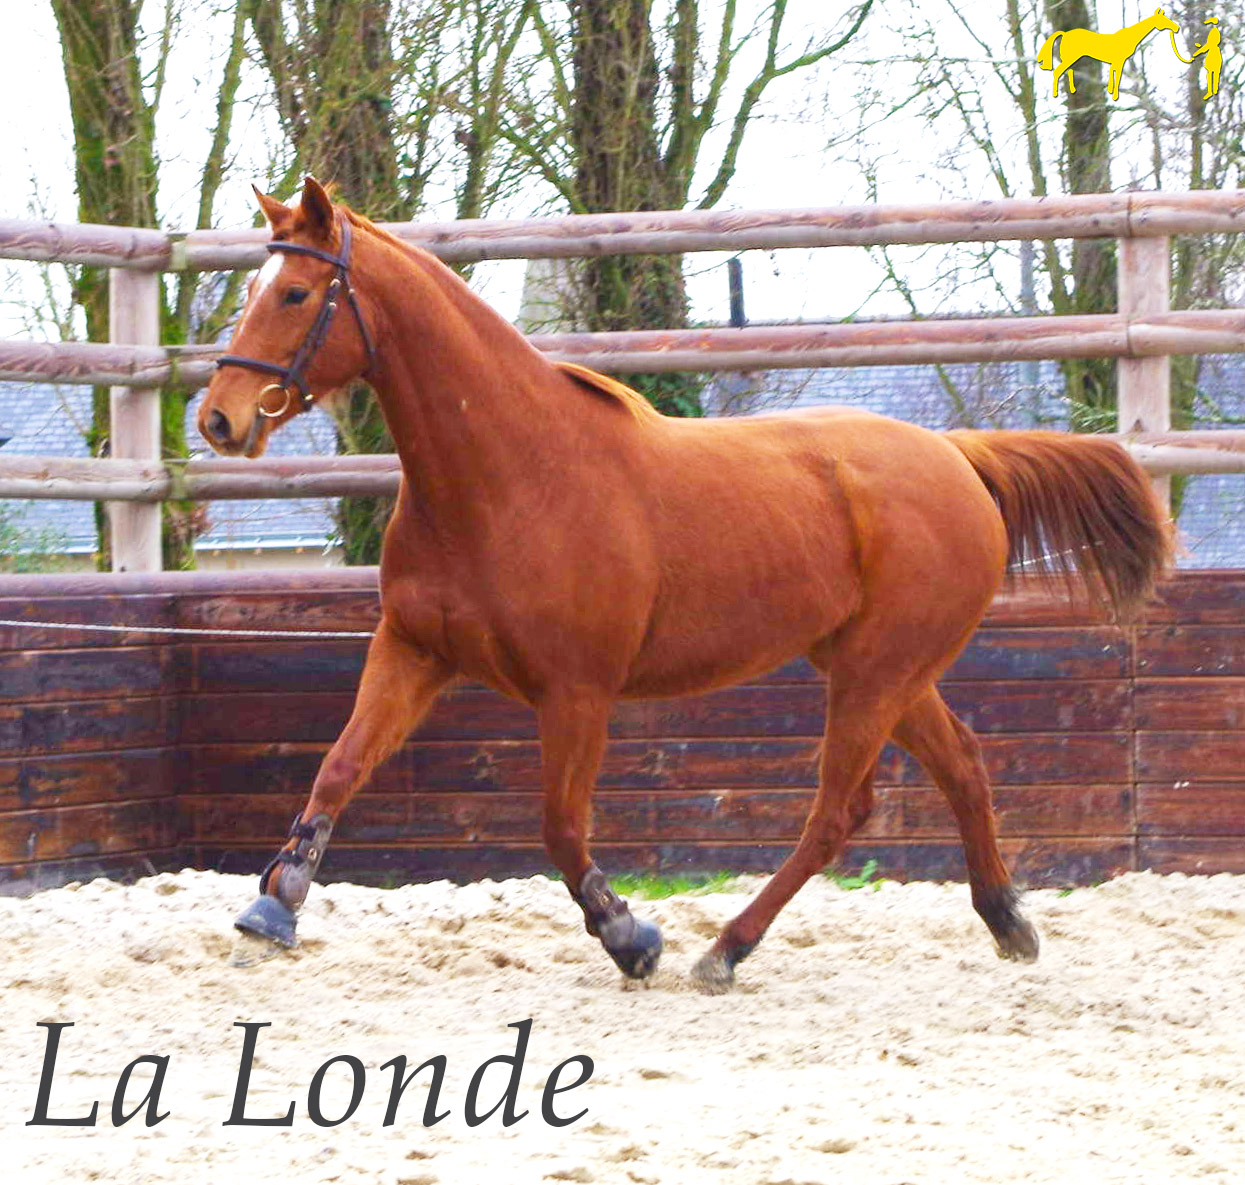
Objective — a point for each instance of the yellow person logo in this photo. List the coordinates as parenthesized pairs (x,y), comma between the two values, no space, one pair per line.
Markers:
(1213,59)
(1116,48)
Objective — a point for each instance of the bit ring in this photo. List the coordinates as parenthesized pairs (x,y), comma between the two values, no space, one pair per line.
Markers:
(274,415)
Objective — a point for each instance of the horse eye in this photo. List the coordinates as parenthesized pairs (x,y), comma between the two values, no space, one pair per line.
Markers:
(295,296)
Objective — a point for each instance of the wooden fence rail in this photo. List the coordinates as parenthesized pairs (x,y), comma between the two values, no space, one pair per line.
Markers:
(1142,334)
(1119,215)
(773,347)
(220,478)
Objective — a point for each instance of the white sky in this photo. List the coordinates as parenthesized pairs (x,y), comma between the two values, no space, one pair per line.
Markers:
(784,164)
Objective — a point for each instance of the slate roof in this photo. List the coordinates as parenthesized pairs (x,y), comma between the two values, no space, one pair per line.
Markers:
(1014,395)
(43,419)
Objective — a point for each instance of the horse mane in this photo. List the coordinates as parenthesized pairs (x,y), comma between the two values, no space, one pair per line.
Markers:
(591,380)
(602,384)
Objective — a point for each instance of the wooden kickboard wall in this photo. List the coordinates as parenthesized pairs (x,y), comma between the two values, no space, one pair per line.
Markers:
(1110,748)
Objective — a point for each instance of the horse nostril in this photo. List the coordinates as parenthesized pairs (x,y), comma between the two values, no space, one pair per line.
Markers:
(218,427)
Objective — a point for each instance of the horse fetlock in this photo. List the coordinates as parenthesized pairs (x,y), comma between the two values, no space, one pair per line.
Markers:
(284,884)
(1020,944)
(714,972)
(296,866)
(1014,937)
(634,945)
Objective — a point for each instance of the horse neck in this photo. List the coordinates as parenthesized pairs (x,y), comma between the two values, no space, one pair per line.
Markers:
(1142,30)
(473,409)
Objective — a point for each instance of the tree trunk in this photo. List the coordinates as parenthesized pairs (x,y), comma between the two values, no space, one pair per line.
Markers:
(1086,166)
(335,96)
(615,145)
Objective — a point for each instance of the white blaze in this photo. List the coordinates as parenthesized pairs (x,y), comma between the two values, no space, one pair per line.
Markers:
(268,272)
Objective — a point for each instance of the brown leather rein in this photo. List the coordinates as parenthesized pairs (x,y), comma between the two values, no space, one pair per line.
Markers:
(294,375)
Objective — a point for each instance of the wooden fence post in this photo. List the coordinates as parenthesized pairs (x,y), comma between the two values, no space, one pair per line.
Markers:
(134,418)
(1144,384)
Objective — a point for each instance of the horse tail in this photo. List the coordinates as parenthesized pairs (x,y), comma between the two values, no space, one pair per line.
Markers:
(1046,55)
(1074,504)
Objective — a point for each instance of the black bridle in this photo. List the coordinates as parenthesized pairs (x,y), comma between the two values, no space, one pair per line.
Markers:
(294,375)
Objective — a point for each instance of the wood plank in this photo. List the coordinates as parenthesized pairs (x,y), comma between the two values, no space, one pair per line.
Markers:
(1201,650)
(1191,808)
(1202,855)
(1029,601)
(1088,652)
(325,664)
(121,776)
(50,676)
(20,880)
(1038,864)
(1020,652)
(139,612)
(28,730)
(1190,756)
(99,830)
(921,812)
(470,712)
(282,609)
(1199,598)
(1194,704)
(1034,863)
(1042,705)
(1081,759)
(761,816)
(248,717)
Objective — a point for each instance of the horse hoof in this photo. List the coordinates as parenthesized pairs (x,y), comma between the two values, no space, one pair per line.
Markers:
(713,975)
(637,951)
(269,917)
(1020,943)
(249,950)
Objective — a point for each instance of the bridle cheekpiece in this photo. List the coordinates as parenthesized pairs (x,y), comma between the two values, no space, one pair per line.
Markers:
(294,375)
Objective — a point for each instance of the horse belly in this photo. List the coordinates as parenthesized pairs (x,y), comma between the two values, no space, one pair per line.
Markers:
(723,631)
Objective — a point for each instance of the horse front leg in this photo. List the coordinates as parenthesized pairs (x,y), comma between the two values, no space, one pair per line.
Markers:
(398,685)
(573,729)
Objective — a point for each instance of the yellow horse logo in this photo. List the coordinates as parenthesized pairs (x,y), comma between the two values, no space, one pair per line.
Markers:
(1113,48)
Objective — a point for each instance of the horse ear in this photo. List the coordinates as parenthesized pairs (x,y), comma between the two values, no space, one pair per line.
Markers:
(316,209)
(277,213)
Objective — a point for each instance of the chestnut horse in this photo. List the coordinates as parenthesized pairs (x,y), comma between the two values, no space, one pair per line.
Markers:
(559,540)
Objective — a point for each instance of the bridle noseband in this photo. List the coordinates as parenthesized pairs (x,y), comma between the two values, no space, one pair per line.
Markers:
(295,375)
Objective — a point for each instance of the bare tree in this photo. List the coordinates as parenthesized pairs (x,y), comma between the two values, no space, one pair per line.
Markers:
(113,107)
(626,129)
(386,99)
(995,126)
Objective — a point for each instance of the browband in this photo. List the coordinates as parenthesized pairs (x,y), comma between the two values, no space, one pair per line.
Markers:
(294,375)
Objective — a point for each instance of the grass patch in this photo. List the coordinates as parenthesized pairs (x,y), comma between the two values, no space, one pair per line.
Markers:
(650,886)
(866,878)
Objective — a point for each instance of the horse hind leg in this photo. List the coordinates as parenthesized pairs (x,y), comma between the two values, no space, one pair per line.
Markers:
(573,730)
(952,755)
(866,697)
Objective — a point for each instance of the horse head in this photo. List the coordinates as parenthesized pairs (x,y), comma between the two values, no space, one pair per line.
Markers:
(290,347)
(1160,20)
